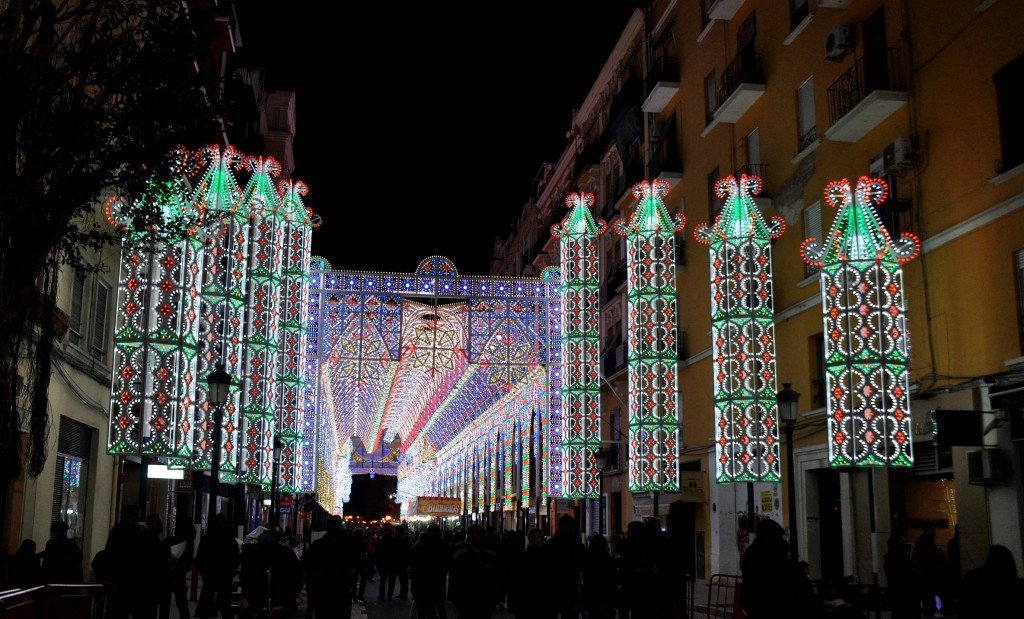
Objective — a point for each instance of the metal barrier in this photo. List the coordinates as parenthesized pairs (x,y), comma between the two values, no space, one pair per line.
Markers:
(67,601)
(724,596)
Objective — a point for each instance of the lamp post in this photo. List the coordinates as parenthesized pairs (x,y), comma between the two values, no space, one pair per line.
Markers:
(274,498)
(788,399)
(601,461)
(219,384)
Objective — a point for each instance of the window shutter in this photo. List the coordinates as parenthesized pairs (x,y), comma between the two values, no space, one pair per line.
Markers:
(77,304)
(805,105)
(98,337)
(812,221)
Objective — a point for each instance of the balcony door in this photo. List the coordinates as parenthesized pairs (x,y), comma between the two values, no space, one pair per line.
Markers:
(876,67)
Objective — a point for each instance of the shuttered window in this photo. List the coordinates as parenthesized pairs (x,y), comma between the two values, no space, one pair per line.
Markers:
(76,316)
(100,310)
(812,229)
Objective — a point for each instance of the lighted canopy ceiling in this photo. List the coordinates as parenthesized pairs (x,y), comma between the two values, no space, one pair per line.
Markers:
(743,333)
(652,318)
(423,358)
(867,350)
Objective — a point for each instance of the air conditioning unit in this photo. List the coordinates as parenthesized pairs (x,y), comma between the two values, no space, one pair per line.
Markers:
(839,42)
(877,166)
(986,466)
(897,157)
(834,4)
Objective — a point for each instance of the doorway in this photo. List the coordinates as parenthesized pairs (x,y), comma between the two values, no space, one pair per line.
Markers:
(830,523)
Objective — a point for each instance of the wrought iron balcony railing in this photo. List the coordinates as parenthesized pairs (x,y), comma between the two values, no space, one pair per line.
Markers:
(879,69)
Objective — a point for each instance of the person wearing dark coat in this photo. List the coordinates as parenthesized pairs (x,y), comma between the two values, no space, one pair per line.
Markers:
(285,582)
(403,560)
(565,568)
(387,557)
(637,569)
(119,564)
(217,559)
(771,578)
(429,574)
(473,581)
(155,567)
(364,565)
(900,580)
(599,595)
(180,567)
(530,600)
(23,566)
(62,558)
(994,589)
(330,563)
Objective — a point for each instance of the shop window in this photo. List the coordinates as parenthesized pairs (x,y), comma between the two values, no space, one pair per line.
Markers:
(71,474)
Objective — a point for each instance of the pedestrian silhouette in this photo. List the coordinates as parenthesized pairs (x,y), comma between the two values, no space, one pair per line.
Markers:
(330,564)
(472,585)
(994,589)
(600,584)
(771,578)
(217,559)
(177,592)
(530,598)
(24,564)
(902,583)
(62,558)
(429,574)
(119,565)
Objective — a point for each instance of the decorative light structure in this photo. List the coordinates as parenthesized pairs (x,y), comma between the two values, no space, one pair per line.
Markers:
(743,334)
(155,335)
(867,351)
(652,316)
(581,344)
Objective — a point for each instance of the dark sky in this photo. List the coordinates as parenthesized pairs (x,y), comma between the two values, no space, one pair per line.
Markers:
(420,130)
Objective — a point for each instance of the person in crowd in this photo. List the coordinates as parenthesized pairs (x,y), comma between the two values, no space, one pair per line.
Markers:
(565,554)
(600,587)
(62,558)
(771,579)
(387,552)
(270,574)
(330,563)
(23,566)
(364,565)
(155,568)
(119,565)
(403,559)
(900,579)
(181,565)
(929,569)
(429,574)
(530,600)
(217,559)
(473,579)
(637,568)
(994,589)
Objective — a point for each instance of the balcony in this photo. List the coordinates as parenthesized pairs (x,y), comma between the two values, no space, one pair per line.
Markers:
(631,175)
(763,200)
(615,279)
(741,84)
(872,90)
(721,9)
(666,160)
(662,84)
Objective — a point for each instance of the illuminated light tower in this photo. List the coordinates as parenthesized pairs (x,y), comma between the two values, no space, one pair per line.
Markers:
(743,334)
(867,352)
(297,223)
(223,304)
(155,334)
(652,322)
(581,346)
(261,333)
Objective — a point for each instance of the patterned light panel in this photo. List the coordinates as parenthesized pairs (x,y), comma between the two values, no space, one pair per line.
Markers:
(581,345)
(652,319)
(867,350)
(743,334)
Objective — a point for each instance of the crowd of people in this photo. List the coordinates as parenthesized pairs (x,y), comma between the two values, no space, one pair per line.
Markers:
(480,571)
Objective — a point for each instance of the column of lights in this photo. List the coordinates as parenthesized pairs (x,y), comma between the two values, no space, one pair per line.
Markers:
(297,226)
(581,342)
(155,335)
(223,302)
(867,351)
(652,316)
(262,327)
(319,268)
(743,334)
(550,436)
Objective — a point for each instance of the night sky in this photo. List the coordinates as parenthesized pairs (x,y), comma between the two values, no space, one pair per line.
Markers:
(420,130)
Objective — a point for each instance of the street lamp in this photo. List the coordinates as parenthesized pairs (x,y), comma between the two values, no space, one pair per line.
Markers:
(787,399)
(274,498)
(218,385)
(601,461)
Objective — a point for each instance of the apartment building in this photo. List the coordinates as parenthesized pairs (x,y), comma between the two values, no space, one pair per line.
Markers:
(926,96)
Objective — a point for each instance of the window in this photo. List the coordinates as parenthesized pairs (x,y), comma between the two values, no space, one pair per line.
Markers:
(714,202)
(812,229)
(818,382)
(798,11)
(1020,296)
(76,315)
(710,95)
(100,312)
(806,120)
(1010,98)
